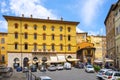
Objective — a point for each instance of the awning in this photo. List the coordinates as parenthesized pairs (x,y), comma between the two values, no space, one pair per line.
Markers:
(71,59)
(61,58)
(53,58)
(98,61)
(108,60)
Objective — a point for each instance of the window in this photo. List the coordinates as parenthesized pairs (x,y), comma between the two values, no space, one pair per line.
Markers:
(53,36)
(61,37)
(44,27)
(16,45)
(3,58)
(35,27)
(69,47)
(16,35)
(69,37)
(52,28)
(61,47)
(69,29)
(16,25)
(25,35)
(35,36)
(35,47)
(61,28)
(2,40)
(44,36)
(44,47)
(26,26)
(53,47)
(26,46)
(2,48)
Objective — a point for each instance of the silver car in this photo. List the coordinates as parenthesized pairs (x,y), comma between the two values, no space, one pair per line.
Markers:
(89,68)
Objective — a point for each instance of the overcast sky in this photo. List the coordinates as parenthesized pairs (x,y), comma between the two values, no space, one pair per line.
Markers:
(90,13)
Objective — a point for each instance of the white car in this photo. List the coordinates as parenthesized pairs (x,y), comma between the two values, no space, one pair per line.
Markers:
(101,73)
(67,66)
(44,78)
(89,68)
(60,67)
(111,75)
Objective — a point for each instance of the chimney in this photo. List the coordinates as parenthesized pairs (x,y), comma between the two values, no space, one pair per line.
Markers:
(48,18)
(31,16)
(22,15)
(61,19)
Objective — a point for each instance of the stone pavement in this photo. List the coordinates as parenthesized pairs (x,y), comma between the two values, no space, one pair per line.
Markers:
(16,76)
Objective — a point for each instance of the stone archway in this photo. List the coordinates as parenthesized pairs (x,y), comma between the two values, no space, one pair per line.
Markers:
(25,62)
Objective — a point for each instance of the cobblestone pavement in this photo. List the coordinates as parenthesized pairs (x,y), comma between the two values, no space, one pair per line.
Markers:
(16,76)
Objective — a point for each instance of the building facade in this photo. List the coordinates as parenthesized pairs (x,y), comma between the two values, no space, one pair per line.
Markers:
(3,49)
(117,32)
(33,38)
(110,34)
(85,49)
(100,45)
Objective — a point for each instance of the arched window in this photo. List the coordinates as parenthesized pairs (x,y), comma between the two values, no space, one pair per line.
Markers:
(44,36)
(53,37)
(61,37)
(35,27)
(52,28)
(69,29)
(61,47)
(35,46)
(35,36)
(16,35)
(69,37)
(69,47)
(16,25)
(53,47)
(25,46)
(16,45)
(26,26)
(61,28)
(44,27)
(44,47)
(26,35)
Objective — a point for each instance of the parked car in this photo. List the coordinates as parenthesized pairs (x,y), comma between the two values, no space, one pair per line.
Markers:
(67,66)
(44,78)
(89,68)
(25,69)
(79,65)
(111,75)
(52,68)
(19,69)
(101,73)
(33,68)
(42,68)
(60,67)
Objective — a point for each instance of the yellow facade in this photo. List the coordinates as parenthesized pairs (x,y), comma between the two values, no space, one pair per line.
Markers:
(44,37)
(3,49)
(100,45)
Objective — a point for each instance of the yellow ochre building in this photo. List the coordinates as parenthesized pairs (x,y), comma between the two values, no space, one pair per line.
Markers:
(34,38)
(3,49)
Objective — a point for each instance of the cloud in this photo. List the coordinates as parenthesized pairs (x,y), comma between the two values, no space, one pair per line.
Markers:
(90,10)
(78,30)
(99,32)
(28,7)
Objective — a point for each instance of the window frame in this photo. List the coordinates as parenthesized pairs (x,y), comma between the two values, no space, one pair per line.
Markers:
(26,46)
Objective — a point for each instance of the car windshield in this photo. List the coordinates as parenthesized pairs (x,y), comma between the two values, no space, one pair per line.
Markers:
(117,74)
(108,73)
(89,67)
